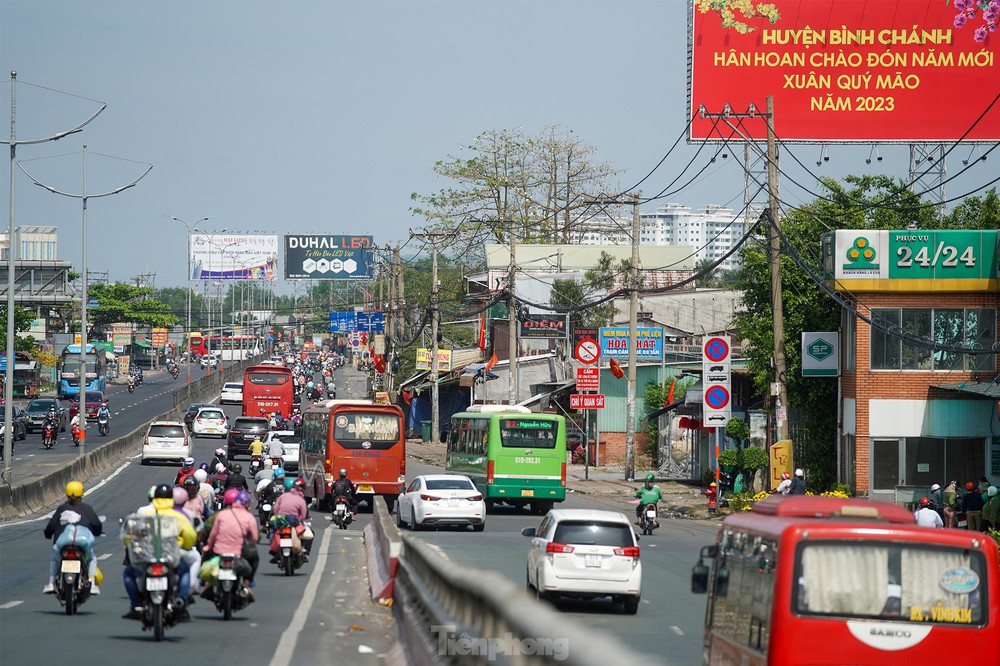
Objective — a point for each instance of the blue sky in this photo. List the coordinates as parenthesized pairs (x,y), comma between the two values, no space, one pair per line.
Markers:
(323,117)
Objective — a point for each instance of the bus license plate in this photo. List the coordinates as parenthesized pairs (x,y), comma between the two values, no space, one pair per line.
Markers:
(593,561)
(227,574)
(71,566)
(365,489)
(526,492)
(158,584)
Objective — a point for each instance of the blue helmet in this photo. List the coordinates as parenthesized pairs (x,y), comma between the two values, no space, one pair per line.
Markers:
(278,473)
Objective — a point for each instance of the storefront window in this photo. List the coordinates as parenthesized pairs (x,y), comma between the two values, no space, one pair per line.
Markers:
(924,463)
(946,326)
(885,464)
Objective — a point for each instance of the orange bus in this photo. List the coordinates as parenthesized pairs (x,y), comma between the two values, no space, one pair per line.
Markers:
(268,389)
(366,439)
(820,580)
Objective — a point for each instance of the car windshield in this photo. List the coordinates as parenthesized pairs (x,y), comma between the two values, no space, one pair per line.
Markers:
(590,533)
(35,406)
(286,439)
(449,484)
(233,387)
(256,424)
(210,414)
(166,431)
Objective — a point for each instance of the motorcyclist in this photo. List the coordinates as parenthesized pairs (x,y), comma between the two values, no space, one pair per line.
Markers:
(279,420)
(205,490)
(785,486)
(230,529)
(331,389)
(88,518)
(51,423)
(343,487)
(647,494)
(220,457)
(195,503)
(270,493)
(236,478)
(272,421)
(266,473)
(275,449)
(131,383)
(187,469)
(256,448)
(74,426)
(293,503)
(103,412)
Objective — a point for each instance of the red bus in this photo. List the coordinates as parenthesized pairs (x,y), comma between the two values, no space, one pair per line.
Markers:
(268,389)
(820,580)
(366,439)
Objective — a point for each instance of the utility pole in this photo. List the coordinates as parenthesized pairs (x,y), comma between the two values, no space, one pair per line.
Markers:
(777,308)
(630,417)
(512,320)
(435,323)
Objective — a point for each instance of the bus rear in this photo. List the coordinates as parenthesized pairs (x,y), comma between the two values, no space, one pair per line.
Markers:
(267,389)
(526,460)
(804,582)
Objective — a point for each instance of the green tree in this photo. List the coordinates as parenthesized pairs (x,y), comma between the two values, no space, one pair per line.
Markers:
(120,302)
(567,295)
(22,322)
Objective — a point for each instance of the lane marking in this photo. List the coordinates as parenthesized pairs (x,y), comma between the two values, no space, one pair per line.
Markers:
(104,556)
(289,637)
(11,604)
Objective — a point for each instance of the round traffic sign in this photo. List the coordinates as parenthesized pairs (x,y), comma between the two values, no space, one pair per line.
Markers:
(717,397)
(587,351)
(716,349)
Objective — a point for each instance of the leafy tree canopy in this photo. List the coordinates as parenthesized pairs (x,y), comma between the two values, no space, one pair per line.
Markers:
(122,302)
(22,322)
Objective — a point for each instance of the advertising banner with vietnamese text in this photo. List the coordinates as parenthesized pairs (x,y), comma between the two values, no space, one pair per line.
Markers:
(233,257)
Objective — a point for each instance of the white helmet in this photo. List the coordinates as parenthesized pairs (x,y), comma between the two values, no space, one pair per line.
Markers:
(935,486)
(799,473)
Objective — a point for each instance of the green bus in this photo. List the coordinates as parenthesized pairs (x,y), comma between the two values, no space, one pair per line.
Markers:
(512,455)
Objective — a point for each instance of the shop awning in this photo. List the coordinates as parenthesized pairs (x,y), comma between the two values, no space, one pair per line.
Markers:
(984,390)
(415,378)
(143,344)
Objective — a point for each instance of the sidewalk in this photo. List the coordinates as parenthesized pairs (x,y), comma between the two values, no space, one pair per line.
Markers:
(680,499)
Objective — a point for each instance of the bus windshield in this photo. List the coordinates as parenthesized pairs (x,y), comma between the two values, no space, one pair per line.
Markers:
(904,582)
(269,378)
(528,433)
(366,426)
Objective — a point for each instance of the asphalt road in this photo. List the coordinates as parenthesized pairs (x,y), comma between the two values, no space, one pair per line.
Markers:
(322,615)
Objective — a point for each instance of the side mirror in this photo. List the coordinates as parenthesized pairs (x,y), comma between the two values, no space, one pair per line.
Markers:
(699,574)
(528,531)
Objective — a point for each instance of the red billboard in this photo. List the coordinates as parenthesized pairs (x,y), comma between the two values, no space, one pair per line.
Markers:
(850,70)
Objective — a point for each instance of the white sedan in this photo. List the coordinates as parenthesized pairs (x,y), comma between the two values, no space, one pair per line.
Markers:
(441,499)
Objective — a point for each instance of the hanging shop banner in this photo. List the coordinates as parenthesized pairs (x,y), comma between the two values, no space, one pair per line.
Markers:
(649,342)
(160,336)
(233,257)
(850,70)
(544,326)
(424,359)
(121,336)
(326,257)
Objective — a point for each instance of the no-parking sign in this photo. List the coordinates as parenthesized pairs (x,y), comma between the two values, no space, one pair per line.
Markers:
(716,378)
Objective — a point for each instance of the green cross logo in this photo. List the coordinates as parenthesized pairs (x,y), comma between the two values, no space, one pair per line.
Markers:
(820,349)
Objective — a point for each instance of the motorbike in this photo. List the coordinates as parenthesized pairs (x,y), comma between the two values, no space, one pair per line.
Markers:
(341,512)
(174,372)
(255,464)
(76,435)
(160,606)
(103,425)
(647,519)
(290,555)
(131,386)
(48,436)
(264,514)
(229,593)
(331,393)
(73,586)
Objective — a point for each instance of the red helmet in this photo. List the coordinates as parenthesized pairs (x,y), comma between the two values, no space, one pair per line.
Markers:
(300,484)
(785,476)
(230,496)
(970,485)
(925,501)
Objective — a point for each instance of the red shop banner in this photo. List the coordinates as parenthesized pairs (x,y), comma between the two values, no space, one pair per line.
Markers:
(850,70)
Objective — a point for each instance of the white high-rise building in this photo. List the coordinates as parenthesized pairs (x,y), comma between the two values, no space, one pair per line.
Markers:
(712,230)
(34,244)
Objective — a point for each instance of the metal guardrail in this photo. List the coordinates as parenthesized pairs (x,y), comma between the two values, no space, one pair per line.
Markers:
(451,614)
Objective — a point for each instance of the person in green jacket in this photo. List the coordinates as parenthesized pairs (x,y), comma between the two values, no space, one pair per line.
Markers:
(647,494)
(991,510)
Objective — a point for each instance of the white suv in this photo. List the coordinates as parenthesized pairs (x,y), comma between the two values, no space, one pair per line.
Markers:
(586,554)
(231,392)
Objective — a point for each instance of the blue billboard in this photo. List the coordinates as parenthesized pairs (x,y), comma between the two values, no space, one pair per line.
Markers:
(351,322)
(649,342)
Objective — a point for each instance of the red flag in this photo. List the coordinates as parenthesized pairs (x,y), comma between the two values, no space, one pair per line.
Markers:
(670,394)
(482,332)
(490,363)
(616,369)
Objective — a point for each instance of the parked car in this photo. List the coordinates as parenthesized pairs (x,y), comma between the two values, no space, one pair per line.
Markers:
(18,419)
(192,411)
(290,442)
(38,409)
(210,421)
(242,432)
(441,499)
(232,392)
(586,554)
(94,400)
(166,440)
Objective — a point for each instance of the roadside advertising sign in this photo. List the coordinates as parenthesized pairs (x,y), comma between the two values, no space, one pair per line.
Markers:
(233,257)
(851,70)
(544,326)
(328,257)
(820,354)
(716,379)
(649,342)
(588,379)
(586,401)
(424,359)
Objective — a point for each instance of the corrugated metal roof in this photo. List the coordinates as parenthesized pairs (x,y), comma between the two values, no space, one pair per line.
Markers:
(698,312)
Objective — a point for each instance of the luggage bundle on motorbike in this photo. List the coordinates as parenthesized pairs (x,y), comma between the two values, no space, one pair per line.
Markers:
(154,551)
(224,575)
(285,542)
(73,584)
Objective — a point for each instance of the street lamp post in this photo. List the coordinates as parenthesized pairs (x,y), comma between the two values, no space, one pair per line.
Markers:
(187,261)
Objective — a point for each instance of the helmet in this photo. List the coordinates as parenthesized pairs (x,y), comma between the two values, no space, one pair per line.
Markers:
(74,489)
(188,462)
(785,476)
(230,496)
(343,472)
(243,497)
(203,466)
(299,484)
(970,486)
(163,491)
(651,477)
(191,481)
(991,491)
(220,452)
(935,486)
(69,518)
(200,476)
(925,501)
(289,481)
(150,492)
(220,468)
(268,463)
(180,495)
(237,469)
(799,473)
(279,473)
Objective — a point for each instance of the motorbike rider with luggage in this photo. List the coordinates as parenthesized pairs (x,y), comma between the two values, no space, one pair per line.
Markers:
(88,518)
(647,494)
(293,503)
(232,527)
(343,487)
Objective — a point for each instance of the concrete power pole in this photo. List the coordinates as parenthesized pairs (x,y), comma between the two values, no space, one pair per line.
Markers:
(435,324)
(777,308)
(633,278)
(512,320)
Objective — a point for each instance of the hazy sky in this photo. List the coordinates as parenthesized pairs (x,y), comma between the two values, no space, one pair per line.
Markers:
(323,117)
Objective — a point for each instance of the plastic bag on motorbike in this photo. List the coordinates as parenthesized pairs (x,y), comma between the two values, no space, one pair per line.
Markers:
(209,570)
(151,539)
(76,535)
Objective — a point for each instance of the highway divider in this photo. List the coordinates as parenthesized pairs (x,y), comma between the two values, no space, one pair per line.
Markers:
(25,499)
(451,614)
